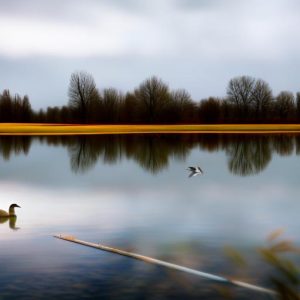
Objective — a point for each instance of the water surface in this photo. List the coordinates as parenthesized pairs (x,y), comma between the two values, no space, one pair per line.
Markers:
(133,192)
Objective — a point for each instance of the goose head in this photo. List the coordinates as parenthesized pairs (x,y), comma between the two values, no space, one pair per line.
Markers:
(11,210)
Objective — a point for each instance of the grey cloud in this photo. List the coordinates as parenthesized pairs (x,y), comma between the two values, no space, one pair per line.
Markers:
(200,4)
(64,8)
(38,9)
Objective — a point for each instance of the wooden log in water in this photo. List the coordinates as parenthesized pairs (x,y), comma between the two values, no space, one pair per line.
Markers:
(168,265)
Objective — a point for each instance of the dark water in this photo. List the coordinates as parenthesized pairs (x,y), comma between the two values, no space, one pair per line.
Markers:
(133,193)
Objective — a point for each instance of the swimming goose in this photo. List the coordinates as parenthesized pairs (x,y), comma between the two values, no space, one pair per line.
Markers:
(195,171)
(11,211)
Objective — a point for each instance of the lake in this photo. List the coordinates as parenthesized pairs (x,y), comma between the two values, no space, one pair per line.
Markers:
(133,192)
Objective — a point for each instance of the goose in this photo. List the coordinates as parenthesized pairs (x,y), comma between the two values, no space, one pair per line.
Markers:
(10,213)
(195,171)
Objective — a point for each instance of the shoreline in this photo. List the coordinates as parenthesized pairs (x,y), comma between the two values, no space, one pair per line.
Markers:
(80,129)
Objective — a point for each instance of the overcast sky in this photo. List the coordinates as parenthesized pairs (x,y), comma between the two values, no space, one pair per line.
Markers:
(193,44)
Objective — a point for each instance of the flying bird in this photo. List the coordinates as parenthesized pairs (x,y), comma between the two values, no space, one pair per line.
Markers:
(195,171)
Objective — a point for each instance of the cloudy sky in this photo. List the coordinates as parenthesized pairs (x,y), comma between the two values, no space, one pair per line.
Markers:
(193,44)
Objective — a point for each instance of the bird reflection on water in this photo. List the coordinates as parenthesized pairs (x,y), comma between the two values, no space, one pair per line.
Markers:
(11,222)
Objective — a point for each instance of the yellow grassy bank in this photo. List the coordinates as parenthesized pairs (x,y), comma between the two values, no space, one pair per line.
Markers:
(66,129)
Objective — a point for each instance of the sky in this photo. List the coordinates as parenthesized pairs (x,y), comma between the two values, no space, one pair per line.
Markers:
(198,45)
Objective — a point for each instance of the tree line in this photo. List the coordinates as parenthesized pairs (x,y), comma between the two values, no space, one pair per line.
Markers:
(247,100)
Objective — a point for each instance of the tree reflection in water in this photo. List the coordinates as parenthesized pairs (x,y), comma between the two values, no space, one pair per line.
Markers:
(284,145)
(247,154)
(83,154)
(14,145)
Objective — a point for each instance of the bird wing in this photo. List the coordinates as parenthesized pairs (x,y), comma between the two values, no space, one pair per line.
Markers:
(193,174)
(192,169)
(200,169)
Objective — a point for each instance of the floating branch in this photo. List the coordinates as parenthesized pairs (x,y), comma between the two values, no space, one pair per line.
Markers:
(168,265)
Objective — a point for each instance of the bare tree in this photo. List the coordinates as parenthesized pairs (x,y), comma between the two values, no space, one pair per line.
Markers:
(239,90)
(210,110)
(153,96)
(110,105)
(129,110)
(6,106)
(181,96)
(239,93)
(261,99)
(285,106)
(181,107)
(298,105)
(82,91)
(26,109)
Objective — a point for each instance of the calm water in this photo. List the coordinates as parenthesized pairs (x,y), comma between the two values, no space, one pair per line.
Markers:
(133,192)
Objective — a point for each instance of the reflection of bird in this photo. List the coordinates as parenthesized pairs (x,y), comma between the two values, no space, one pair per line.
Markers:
(10,213)
(12,222)
(195,171)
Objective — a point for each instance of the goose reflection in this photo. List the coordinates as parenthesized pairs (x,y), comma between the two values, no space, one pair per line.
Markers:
(11,222)
(9,216)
